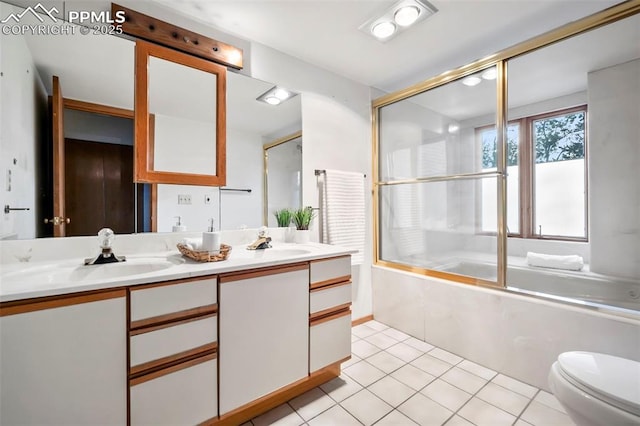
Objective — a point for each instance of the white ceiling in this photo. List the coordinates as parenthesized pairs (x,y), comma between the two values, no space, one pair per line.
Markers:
(325,32)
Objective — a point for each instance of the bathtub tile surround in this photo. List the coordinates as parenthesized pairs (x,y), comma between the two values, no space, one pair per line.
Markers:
(387,390)
(515,335)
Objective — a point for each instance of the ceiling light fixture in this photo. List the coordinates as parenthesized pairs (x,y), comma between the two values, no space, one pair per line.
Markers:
(490,74)
(472,80)
(397,18)
(276,95)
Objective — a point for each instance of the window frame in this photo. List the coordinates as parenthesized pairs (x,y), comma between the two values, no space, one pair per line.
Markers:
(526,168)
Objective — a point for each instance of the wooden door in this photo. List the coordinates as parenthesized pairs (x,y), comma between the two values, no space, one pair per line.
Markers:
(59,219)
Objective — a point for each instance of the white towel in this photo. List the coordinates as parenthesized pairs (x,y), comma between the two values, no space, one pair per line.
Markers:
(193,243)
(343,211)
(570,262)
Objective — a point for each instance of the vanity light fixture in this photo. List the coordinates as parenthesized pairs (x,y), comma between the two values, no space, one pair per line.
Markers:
(399,17)
(276,95)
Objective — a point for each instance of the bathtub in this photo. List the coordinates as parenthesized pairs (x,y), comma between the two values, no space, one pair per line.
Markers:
(579,287)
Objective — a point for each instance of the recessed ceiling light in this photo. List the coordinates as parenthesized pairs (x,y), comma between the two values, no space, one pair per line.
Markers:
(453,128)
(272,100)
(276,95)
(490,74)
(383,29)
(406,15)
(281,93)
(472,80)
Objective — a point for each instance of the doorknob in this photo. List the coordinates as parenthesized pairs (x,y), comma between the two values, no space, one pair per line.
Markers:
(57,220)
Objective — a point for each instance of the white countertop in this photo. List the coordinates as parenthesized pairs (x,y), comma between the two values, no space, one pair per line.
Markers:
(26,280)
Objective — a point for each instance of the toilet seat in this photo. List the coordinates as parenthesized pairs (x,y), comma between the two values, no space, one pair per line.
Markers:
(611,379)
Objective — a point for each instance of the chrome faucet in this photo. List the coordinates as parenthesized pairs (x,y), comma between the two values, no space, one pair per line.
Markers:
(262,242)
(106,236)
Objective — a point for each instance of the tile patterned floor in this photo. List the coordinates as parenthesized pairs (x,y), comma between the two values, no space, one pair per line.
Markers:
(395,379)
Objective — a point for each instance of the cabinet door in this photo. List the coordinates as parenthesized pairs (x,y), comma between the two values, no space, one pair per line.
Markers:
(65,365)
(264,340)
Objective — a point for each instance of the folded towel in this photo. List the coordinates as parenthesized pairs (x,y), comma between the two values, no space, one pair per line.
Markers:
(570,263)
(193,243)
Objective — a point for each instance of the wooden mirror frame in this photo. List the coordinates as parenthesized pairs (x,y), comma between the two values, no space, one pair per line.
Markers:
(143,146)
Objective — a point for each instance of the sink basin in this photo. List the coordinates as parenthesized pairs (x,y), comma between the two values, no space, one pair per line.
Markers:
(61,273)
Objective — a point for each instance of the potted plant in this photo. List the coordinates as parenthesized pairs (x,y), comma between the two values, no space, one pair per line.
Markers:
(302,219)
(283,217)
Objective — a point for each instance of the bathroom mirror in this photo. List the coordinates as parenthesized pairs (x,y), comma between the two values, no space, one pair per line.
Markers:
(99,75)
(282,176)
(180,112)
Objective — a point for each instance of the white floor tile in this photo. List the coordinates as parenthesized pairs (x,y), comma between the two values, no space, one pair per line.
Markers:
(521,422)
(482,413)
(509,401)
(464,380)
(515,385)
(404,352)
(458,421)
(351,361)
(375,325)
(354,338)
(445,356)
(424,411)
(366,407)
(381,340)
(336,416)
(282,415)
(549,400)
(363,331)
(341,387)
(363,349)
(446,395)
(412,377)
(364,373)
(395,418)
(385,362)
(311,403)
(391,391)
(419,344)
(431,365)
(395,334)
(540,415)
(477,369)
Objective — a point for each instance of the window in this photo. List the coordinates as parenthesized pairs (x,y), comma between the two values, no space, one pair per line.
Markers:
(546,169)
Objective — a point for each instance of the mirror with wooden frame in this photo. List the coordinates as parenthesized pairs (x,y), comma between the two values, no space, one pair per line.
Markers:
(180,118)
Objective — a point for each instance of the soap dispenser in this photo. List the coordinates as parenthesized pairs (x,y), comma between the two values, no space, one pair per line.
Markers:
(211,238)
(179,227)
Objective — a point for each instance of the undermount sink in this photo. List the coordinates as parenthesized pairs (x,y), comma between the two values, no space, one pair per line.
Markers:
(67,272)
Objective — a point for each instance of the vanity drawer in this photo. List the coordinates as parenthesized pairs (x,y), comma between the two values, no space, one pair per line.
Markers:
(183,394)
(329,340)
(326,298)
(329,271)
(172,341)
(162,300)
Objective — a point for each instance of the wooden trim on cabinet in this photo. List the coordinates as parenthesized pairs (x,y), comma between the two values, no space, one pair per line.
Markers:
(157,364)
(146,27)
(261,405)
(327,287)
(98,108)
(171,369)
(173,282)
(262,272)
(335,315)
(328,259)
(162,325)
(326,312)
(361,320)
(173,317)
(50,302)
(330,282)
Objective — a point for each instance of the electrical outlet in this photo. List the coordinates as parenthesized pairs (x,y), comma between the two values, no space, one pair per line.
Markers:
(184,199)
(208,198)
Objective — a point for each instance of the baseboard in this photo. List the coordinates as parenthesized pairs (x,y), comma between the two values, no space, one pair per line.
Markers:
(361,320)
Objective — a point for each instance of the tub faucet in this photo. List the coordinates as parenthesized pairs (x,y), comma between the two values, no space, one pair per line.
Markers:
(106,255)
(262,242)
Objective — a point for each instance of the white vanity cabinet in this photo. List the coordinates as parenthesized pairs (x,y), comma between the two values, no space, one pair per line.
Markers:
(173,374)
(264,333)
(63,360)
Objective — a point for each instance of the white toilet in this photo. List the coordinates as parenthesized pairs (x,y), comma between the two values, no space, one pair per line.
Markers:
(597,389)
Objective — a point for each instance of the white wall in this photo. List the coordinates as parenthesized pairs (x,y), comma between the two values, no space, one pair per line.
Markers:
(614,172)
(23,103)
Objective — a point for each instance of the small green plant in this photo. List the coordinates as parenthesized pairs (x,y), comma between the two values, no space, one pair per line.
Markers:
(302,218)
(283,217)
